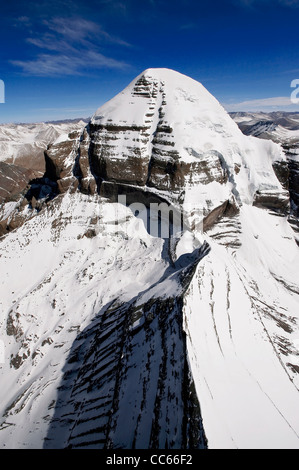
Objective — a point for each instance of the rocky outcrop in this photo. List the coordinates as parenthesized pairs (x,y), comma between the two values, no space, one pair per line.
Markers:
(24,144)
(273,200)
(283,173)
(29,177)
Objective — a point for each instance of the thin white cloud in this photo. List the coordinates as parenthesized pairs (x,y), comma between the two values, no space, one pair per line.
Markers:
(74,45)
(265,104)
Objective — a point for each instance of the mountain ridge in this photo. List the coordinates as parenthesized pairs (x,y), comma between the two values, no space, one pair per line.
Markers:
(118,337)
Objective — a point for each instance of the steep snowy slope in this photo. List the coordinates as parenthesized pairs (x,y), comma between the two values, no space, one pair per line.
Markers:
(116,337)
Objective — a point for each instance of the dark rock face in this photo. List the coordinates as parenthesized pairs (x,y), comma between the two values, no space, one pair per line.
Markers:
(227,209)
(273,201)
(294,181)
(112,158)
(258,129)
(270,128)
(105,161)
(127,382)
(14,185)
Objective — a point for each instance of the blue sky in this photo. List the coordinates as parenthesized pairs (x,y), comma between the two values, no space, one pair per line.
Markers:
(63,59)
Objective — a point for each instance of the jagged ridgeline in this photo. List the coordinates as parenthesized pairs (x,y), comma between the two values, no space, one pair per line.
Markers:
(117,336)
